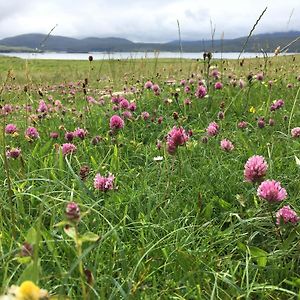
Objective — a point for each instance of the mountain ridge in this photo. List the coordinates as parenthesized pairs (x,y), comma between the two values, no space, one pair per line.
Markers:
(41,42)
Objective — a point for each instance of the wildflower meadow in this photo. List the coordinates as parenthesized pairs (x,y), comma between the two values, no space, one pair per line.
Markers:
(150,178)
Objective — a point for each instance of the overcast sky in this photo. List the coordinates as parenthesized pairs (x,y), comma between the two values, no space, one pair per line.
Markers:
(147,20)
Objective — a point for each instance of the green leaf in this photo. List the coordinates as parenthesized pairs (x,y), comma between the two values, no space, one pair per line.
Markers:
(289,240)
(52,173)
(70,232)
(24,260)
(114,163)
(31,236)
(294,282)
(27,273)
(242,246)
(260,255)
(89,237)
(94,163)
(30,273)
(224,204)
(208,210)
(36,148)
(62,223)
(45,149)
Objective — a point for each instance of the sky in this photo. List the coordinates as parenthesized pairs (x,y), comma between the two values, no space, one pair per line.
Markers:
(147,20)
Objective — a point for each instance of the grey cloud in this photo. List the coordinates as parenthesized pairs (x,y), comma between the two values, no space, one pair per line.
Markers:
(15,7)
(142,20)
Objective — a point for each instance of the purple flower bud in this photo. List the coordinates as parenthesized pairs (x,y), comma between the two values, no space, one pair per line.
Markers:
(221,115)
(242,125)
(204,140)
(54,135)
(69,136)
(96,140)
(13,153)
(261,123)
(73,212)
(26,250)
(271,122)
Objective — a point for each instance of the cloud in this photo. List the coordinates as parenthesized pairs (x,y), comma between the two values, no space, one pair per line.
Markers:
(142,20)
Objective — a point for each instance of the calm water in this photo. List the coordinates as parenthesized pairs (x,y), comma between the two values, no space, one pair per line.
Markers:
(127,55)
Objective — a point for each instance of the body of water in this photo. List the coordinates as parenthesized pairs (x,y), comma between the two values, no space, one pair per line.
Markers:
(129,55)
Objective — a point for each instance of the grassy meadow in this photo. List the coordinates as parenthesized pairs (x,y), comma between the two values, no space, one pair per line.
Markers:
(171,215)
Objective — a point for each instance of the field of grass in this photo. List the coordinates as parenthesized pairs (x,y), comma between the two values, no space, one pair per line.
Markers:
(178,220)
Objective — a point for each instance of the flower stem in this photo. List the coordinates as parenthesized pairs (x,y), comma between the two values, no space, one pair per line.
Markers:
(9,186)
(6,166)
(275,224)
(80,265)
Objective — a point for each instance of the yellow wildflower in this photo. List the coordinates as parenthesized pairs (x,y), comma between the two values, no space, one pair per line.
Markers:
(26,291)
(252,110)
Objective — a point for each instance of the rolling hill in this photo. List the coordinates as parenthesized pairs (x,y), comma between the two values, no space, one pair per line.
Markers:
(41,42)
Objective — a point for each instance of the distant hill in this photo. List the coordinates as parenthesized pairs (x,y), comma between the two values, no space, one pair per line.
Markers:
(267,41)
(61,43)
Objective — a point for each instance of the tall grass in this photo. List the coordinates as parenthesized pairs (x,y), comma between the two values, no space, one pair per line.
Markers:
(184,227)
